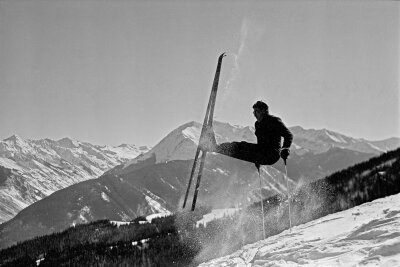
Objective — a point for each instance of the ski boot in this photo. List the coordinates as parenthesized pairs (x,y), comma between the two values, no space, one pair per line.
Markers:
(208,141)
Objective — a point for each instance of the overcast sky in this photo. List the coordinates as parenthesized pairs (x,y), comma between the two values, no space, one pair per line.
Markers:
(112,72)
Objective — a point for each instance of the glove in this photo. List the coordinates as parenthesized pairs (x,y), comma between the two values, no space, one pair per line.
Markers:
(285,153)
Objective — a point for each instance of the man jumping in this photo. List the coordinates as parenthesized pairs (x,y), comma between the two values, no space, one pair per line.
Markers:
(267,151)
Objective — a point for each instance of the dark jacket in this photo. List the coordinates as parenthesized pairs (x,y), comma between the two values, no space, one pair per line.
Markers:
(269,132)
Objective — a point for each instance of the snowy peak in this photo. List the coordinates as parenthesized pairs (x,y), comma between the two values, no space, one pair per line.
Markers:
(335,137)
(182,142)
(68,143)
(322,135)
(319,141)
(125,146)
(177,145)
(13,139)
(15,143)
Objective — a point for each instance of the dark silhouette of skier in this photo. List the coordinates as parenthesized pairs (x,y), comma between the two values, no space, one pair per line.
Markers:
(268,129)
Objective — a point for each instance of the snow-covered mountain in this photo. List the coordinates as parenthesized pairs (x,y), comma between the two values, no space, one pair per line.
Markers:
(181,143)
(315,153)
(33,169)
(319,141)
(156,181)
(366,235)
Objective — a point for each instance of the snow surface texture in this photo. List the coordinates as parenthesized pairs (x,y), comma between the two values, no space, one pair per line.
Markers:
(37,168)
(366,235)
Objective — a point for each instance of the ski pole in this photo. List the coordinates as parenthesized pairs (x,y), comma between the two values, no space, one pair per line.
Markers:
(288,192)
(261,199)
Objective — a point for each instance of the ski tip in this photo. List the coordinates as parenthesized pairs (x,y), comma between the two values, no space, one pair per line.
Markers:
(222,55)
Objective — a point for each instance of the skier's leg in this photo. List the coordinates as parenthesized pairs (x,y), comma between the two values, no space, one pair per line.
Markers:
(270,157)
(233,149)
(248,152)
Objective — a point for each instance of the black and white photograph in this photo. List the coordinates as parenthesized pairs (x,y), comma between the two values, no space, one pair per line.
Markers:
(200,133)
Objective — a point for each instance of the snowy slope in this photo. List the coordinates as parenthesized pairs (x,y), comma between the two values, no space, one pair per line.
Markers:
(367,235)
(33,169)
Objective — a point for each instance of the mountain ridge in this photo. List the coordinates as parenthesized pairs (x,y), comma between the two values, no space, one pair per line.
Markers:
(184,140)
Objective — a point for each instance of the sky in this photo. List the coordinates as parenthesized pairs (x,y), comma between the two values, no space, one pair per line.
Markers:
(112,72)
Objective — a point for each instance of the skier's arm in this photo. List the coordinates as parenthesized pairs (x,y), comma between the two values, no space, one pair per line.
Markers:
(286,134)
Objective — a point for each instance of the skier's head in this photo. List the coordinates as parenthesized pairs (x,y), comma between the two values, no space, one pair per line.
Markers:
(260,110)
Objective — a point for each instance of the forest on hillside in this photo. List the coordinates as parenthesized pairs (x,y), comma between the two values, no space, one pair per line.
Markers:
(177,240)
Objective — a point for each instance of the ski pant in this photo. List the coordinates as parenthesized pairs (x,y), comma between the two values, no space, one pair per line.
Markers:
(249,152)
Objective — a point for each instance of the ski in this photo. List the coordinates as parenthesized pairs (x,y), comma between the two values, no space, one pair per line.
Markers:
(208,120)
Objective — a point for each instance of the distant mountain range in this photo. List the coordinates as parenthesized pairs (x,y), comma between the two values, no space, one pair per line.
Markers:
(181,142)
(315,153)
(155,181)
(319,141)
(33,169)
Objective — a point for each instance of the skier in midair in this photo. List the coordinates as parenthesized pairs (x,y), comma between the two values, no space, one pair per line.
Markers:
(268,129)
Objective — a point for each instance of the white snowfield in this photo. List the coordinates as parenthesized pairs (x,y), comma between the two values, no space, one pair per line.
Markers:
(366,235)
